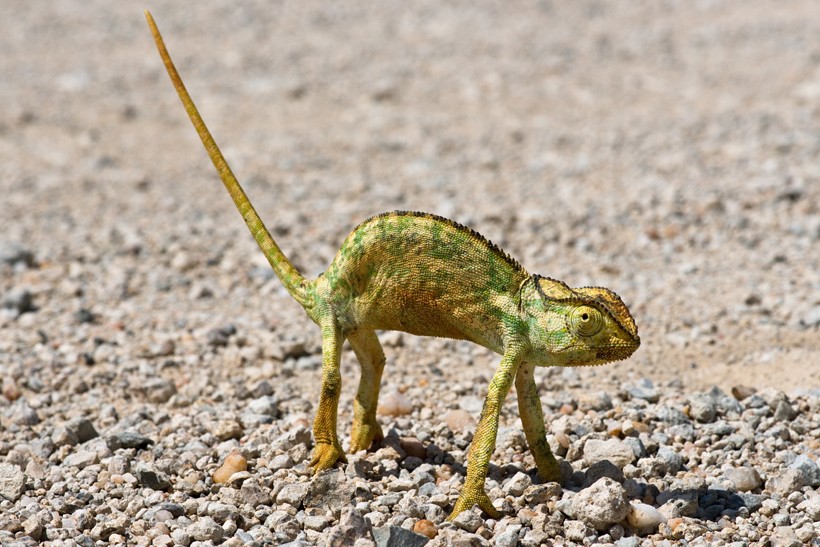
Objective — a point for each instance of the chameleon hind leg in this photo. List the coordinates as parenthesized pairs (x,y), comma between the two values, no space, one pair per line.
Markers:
(369,352)
(328,450)
(484,440)
(532,418)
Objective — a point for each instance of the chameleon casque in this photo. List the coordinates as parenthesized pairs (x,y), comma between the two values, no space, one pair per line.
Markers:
(426,275)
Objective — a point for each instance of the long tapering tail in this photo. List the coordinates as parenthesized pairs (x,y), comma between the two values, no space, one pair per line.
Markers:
(285,271)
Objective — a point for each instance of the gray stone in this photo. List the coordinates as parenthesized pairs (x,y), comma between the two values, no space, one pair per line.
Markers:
(205,529)
(13,254)
(808,468)
(743,479)
(613,450)
(601,505)
(82,428)
(81,459)
(600,469)
(254,494)
(352,527)
(158,390)
(396,536)
(643,389)
(18,300)
(786,482)
(330,490)
(702,408)
(296,436)
(517,484)
(292,494)
(469,520)
(672,458)
(23,414)
(12,482)
(151,478)
(127,439)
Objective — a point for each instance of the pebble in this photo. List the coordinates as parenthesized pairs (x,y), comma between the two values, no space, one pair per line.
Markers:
(744,479)
(425,528)
(601,505)
(642,516)
(459,420)
(234,463)
(396,536)
(12,482)
(394,403)
(612,450)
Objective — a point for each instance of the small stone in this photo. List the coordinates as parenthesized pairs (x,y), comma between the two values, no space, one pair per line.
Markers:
(150,478)
(396,536)
(127,439)
(808,468)
(282,461)
(265,406)
(352,527)
(12,482)
(743,479)
(459,420)
(290,439)
(253,493)
(395,403)
(603,468)
(785,482)
(516,485)
(742,392)
(644,517)
(644,389)
(227,429)
(469,520)
(81,459)
(413,447)
(601,505)
(205,529)
(158,390)
(784,412)
(18,300)
(702,408)
(23,414)
(613,450)
(13,253)
(673,460)
(542,493)
(425,528)
(329,490)
(597,401)
(575,530)
(234,463)
(292,494)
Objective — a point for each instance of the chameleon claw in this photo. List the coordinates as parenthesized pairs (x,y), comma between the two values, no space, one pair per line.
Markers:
(325,456)
(468,499)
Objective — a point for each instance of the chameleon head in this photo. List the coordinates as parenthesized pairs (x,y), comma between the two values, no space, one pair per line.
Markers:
(580,327)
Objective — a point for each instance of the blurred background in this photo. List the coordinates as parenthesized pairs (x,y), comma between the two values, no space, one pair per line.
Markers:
(667,150)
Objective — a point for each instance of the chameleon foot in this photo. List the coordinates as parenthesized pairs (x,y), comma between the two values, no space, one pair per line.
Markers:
(362,436)
(548,469)
(325,455)
(474,496)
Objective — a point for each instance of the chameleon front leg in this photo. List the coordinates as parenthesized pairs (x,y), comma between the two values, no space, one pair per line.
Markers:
(478,460)
(532,418)
(328,450)
(369,352)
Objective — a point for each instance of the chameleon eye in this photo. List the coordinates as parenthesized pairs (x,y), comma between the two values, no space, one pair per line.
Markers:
(586,321)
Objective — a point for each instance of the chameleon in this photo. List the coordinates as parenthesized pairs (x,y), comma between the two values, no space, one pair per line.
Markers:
(426,275)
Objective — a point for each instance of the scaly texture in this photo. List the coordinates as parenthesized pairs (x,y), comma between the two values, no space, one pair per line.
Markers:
(430,276)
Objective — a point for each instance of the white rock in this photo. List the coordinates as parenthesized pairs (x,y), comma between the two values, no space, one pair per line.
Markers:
(642,516)
(12,482)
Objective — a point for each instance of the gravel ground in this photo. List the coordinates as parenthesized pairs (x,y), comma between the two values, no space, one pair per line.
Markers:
(158,384)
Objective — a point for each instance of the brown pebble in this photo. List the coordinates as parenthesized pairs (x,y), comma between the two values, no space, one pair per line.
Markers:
(741,392)
(234,463)
(425,528)
(413,447)
(566,408)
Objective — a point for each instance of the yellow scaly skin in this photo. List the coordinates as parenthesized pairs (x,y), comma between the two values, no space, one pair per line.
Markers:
(426,275)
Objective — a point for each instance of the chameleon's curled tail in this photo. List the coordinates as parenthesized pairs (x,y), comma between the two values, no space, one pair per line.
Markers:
(285,271)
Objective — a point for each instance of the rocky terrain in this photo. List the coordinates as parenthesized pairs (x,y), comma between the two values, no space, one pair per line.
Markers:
(158,384)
